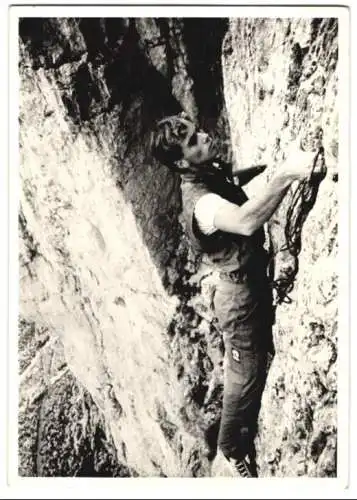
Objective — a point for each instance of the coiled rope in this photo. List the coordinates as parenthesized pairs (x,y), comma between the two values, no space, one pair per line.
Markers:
(303,200)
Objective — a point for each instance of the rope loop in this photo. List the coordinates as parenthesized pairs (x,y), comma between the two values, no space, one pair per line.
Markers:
(303,200)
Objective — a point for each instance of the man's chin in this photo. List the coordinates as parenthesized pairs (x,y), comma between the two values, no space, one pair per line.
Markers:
(204,160)
(209,157)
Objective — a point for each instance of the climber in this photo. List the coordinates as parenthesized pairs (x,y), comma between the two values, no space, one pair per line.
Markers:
(226,229)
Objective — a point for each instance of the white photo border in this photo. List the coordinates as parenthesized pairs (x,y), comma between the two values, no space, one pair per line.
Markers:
(182,487)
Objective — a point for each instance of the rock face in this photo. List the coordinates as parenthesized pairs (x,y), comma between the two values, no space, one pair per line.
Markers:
(281,82)
(121,365)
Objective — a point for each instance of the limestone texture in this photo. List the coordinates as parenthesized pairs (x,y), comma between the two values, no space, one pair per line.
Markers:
(120,362)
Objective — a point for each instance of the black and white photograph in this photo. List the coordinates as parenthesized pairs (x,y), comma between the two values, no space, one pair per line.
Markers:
(179,254)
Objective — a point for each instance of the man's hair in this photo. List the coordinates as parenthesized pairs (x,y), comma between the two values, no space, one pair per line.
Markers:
(166,139)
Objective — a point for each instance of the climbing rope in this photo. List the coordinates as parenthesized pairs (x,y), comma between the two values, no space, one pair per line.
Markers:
(303,200)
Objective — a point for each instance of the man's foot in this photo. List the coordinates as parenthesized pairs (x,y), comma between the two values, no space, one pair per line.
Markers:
(244,467)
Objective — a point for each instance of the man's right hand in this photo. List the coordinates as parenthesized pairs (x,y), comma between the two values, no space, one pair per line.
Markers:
(299,164)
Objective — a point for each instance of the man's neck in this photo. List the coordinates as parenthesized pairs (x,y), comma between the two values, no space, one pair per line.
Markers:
(222,169)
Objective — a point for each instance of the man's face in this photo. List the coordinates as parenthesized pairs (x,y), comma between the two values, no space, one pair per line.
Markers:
(197,146)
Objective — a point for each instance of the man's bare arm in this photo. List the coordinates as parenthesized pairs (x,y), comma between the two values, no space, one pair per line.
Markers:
(253,213)
(249,217)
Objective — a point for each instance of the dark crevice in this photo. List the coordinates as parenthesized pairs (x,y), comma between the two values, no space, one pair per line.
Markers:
(315,26)
(169,53)
(203,41)
(84,90)
(32,247)
(133,81)
(94,38)
(47,46)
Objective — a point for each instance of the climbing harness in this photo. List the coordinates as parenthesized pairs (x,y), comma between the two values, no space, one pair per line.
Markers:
(303,200)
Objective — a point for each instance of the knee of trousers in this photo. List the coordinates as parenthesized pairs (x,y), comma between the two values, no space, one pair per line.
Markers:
(241,408)
(244,369)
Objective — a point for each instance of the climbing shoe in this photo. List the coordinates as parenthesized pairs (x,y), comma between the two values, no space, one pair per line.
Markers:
(244,467)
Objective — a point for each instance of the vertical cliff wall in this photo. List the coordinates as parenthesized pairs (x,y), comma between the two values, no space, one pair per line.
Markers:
(121,366)
(281,84)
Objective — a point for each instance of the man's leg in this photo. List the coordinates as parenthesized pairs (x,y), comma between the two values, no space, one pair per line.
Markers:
(241,321)
(244,381)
